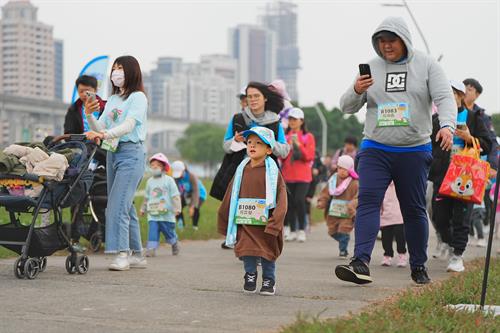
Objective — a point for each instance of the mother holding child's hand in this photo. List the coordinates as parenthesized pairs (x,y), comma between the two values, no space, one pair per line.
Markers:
(122,131)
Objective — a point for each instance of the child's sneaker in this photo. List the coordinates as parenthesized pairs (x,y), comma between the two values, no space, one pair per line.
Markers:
(195,228)
(175,248)
(343,254)
(291,237)
(301,237)
(150,253)
(402,260)
(268,287)
(120,262)
(386,261)
(137,260)
(356,272)
(250,286)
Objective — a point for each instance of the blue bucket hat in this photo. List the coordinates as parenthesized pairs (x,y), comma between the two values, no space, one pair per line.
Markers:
(264,133)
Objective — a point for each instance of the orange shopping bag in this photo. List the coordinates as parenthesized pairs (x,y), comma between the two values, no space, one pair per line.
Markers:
(467,176)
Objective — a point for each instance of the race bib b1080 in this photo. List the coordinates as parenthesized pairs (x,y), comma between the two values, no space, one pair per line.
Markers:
(252,212)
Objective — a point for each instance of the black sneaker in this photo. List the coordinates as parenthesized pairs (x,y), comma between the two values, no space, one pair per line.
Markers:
(356,272)
(250,286)
(175,248)
(419,275)
(343,254)
(268,287)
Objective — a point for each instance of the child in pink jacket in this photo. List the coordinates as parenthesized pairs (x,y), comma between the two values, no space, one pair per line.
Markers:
(391,226)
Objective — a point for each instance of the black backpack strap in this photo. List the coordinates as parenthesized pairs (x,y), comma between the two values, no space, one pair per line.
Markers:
(239,124)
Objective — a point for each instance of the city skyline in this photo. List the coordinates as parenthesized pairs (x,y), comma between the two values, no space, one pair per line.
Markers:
(334,36)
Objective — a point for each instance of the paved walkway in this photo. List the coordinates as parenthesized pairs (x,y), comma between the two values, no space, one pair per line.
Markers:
(198,291)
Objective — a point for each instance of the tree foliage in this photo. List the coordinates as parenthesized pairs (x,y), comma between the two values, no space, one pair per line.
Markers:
(339,126)
(202,143)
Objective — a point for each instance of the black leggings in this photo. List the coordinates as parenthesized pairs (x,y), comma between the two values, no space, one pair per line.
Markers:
(196,214)
(452,219)
(388,234)
(296,205)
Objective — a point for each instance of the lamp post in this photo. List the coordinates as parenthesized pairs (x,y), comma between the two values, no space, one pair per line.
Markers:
(324,129)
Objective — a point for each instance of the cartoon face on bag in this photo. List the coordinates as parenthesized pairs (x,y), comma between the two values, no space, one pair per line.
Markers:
(463,185)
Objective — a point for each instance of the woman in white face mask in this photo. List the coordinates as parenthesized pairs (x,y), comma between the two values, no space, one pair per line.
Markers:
(122,130)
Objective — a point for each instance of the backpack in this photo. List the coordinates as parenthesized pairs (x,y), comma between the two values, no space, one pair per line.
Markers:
(231,161)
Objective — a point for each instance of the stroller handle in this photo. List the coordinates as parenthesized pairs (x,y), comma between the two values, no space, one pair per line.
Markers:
(68,137)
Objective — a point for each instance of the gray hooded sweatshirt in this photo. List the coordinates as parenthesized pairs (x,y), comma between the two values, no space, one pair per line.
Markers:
(417,81)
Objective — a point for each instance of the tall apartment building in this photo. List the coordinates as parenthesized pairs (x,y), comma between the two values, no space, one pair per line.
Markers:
(58,69)
(26,53)
(254,48)
(281,17)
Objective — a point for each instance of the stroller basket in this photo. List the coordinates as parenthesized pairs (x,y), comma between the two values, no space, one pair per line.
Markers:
(44,241)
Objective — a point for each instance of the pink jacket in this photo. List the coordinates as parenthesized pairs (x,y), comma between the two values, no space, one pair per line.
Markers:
(391,213)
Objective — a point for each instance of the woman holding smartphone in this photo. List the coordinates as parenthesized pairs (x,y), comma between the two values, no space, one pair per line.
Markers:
(122,130)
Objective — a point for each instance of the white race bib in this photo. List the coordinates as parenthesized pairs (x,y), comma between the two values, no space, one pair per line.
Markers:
(338,208)
(110,144)
(157,208)
(252,212)
(393,114)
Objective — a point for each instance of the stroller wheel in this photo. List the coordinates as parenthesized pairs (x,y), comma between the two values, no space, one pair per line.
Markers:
(43,263)
(32,268)
(70,264)
(83,264)
(19,268)
(95,242)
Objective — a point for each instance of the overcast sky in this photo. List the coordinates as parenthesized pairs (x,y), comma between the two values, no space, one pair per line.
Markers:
(334,36)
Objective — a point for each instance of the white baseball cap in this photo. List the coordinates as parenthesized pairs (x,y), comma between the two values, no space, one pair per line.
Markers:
(178,167)
(296,113)
(458,85)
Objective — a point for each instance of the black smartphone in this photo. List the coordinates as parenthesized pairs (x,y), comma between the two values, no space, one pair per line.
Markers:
(364,69)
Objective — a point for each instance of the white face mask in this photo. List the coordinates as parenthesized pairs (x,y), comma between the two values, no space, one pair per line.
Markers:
(157,172)
(118,78)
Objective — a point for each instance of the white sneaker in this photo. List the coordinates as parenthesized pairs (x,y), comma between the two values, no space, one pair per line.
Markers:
(137,260)
(120,263)
(481,242)
(291,237)
(455,264)
(286,232)
(301,236)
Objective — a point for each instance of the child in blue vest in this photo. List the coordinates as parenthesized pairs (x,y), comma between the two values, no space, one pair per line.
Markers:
(162,203)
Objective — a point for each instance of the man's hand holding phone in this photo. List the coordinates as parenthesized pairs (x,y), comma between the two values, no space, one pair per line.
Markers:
(364,80)
(91,104)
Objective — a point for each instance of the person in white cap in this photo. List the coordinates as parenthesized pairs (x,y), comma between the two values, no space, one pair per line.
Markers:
(162,203)
(452,217)
(296,168)
(193,193)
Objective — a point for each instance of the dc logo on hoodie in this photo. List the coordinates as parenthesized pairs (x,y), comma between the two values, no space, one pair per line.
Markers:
(395,82)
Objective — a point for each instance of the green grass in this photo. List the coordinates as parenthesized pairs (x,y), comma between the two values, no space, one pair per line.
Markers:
(207,223)
(422,309)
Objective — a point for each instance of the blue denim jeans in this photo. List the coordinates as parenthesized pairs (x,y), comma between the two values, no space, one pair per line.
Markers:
(166,228)
(125,168)
(343,240)
(268,267)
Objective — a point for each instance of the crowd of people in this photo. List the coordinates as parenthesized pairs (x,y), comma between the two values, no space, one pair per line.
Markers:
(268,180)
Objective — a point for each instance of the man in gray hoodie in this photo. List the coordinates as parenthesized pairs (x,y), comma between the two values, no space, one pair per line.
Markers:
(397,146)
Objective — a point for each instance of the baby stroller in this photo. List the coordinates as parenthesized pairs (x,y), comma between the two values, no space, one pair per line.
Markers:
(91,210)
(35,243)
